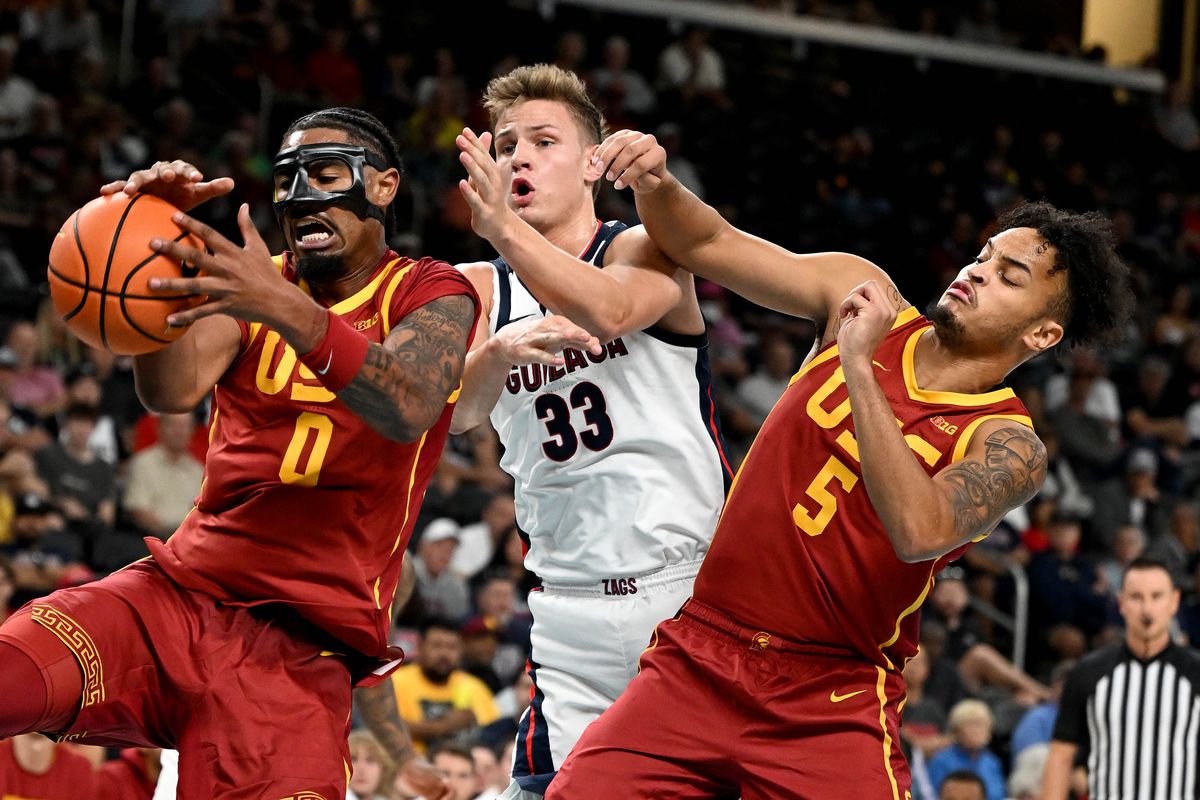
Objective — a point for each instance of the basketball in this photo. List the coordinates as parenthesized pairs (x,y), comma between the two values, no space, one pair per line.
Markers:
(100,270)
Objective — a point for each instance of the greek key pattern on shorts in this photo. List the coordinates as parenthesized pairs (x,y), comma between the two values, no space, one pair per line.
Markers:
(304,796)
(77,640)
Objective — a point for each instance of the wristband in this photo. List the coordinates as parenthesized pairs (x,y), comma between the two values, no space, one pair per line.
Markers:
(339,355)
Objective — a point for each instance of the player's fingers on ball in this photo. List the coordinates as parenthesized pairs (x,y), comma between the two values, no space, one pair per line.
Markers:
(186,170)
(181,319)
(112,187)
(209,287)
(186,253)
(211,237)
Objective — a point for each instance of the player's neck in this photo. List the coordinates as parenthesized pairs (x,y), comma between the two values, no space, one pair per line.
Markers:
(939,368)
(1146,649)
(358,268)
(574,232)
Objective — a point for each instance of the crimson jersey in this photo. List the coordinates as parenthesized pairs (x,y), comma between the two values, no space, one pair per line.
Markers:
(302,502)
(799,551)
(70,777)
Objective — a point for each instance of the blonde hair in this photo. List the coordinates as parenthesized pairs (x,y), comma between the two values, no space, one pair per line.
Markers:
(545,82)
(363,739)
(968,711)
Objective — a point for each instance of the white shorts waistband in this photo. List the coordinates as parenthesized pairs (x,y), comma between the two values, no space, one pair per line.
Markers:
(662,579)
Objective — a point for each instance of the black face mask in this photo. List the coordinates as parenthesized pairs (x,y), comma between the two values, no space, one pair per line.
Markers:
(312,176)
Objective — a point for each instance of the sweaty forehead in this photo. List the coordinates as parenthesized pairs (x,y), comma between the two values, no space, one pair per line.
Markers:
(316,136)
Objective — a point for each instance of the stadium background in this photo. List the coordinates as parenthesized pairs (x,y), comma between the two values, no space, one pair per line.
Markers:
(905,160)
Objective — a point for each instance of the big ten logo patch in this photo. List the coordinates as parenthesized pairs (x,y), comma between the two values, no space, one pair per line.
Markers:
(814,514)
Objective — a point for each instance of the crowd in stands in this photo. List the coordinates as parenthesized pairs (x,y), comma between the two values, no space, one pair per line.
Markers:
(904,162)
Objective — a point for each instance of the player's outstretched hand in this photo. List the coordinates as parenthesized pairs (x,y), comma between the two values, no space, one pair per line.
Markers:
(420,778)
(487,187)
(864,319)
(240,281)
(632,158)
(177,182)
(542,341)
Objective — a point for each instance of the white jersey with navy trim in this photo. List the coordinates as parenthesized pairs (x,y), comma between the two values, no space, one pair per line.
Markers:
(616,457)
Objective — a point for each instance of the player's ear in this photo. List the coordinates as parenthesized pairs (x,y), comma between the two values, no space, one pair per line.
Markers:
(592,172)
(382,190)
(1043,335)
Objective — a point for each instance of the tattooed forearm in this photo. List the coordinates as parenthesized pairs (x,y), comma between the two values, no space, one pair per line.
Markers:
(403,384)
(982,492)
(377,707)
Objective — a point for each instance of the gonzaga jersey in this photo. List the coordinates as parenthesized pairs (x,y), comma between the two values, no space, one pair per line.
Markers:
(302,502)
(616,457)
(800,551)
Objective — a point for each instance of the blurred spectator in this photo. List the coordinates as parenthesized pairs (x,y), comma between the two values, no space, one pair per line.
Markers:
(963,784)
(81,485)
(17,95)
(477,541)
(333,73)
(570,51)
(131,776)
(445,80)
(481,642)
(34,766)
(83,388)
(971,726)
(1128,544)
(691,69)
(71,30)
(164,479)
(371,767)
(924,718)
(1063,584)
(496,600)
(1176,324)
(33,388)
(493,778)
(442,591)
(762,389)
(1175,121)
(670,136)
(439,701)
(457,766)
(1085,376)
(1136,500)
(510,559)
(623,92)
(1177,549)
(1151,416)
(1025,780)
(1037,724)
(981,26)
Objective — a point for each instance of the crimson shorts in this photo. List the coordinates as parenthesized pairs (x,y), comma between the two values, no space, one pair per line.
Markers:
(256,708)
(723,711)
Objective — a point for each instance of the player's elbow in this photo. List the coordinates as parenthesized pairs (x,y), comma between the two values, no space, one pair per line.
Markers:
(916,543)
(164,400)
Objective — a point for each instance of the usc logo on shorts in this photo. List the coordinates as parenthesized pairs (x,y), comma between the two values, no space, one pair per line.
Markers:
(760,641)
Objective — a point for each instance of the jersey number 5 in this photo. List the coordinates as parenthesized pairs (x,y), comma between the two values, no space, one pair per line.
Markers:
(564,442)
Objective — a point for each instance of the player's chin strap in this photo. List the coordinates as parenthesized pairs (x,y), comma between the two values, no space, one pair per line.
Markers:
(296,189)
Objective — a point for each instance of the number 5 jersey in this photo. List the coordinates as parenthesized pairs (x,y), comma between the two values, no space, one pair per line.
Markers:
(616,457)
(302,503)
(800,552)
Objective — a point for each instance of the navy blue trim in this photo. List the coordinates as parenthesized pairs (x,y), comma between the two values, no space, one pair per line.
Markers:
(505,300)
(603,238)
(537,781)
(709,417)
(696,340)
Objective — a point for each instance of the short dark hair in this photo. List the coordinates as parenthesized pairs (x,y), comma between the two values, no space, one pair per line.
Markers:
(1146,562)
(1098,298)
(364,129)
(452,749)
(966,776)
(441,624)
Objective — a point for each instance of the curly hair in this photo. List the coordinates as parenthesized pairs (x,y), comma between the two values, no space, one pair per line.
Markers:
(1097,298)
(364,130)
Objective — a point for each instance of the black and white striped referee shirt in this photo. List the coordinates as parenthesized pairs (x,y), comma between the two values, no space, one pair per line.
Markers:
(1136,722)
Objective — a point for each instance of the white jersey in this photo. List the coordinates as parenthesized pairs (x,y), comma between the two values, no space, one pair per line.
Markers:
(616,457)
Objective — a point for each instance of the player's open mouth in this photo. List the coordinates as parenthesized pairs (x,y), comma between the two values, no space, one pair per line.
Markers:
(312,234)
(522,191)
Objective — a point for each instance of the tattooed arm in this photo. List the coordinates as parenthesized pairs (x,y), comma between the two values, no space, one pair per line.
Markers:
(926,517)
(377,706)
(404,383)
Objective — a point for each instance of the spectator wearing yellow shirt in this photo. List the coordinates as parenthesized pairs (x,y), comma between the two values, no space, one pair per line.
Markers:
(440,702)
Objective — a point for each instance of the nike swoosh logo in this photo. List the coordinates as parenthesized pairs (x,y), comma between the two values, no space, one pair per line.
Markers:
(328,364)
(885,369)
(518,319)
(834,697)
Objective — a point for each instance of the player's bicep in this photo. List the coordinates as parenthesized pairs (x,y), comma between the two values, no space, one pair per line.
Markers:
(1003,467)
(480,275)
(646,277)
(430,345)
(177,378)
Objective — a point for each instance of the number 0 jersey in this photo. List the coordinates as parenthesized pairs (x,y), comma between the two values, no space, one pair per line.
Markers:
(800,552)
(616,457)
(302,503)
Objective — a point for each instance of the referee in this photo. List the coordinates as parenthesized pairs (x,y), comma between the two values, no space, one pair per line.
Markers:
(1132,708)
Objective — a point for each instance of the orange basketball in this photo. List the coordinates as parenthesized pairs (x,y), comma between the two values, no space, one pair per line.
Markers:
(100,267)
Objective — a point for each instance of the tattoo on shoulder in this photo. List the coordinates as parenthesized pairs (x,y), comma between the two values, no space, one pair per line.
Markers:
(404,383)
(896,298)
(1011,472)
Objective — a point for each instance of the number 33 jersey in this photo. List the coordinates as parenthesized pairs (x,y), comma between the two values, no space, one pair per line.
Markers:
(616,457)
(800,552)
(303,504)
